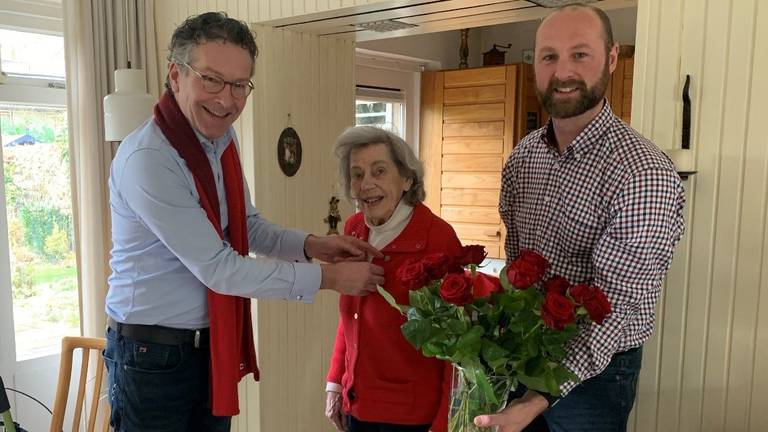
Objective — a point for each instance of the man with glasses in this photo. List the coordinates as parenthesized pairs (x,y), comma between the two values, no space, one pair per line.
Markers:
(180,337)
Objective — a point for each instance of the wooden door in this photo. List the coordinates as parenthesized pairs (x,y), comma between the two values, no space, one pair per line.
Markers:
(469,124)
(619,92)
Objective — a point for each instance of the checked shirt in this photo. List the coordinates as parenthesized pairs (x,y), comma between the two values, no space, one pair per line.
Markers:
(609,212)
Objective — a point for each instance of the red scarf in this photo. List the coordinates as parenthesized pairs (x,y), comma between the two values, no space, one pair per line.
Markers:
(232,352)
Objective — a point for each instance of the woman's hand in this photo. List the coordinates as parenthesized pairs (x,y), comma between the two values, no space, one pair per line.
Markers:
(334,412)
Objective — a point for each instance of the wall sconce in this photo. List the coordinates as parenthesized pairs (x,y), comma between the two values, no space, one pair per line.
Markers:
(129,105)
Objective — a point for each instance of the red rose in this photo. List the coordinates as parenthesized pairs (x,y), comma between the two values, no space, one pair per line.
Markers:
(438,264)
(557,284)
(579,293)
(484,285)
(472,254)
(527,269)
(535,259)
(557,311)
(457,289)
(412,274)
(594,301)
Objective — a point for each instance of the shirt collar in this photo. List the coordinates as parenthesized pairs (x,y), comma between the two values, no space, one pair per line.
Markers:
(587,139)
(219,144)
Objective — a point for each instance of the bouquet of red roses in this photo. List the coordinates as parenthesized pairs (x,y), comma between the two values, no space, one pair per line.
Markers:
(497,332)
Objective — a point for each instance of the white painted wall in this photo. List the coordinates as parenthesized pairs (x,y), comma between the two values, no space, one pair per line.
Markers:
(704,368)
(442,47)
(40,16)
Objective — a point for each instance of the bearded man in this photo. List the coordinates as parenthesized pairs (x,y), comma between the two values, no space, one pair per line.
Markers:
(605,206)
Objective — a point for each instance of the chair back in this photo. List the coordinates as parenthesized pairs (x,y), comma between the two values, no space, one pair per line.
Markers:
(88,346)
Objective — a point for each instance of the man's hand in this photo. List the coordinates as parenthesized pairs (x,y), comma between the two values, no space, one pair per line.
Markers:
(517,415)
(336,248)
(351,278)
(333,411)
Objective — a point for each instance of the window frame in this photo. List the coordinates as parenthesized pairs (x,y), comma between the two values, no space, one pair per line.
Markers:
(31,91)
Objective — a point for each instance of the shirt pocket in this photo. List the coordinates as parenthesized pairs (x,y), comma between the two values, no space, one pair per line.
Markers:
(578,225)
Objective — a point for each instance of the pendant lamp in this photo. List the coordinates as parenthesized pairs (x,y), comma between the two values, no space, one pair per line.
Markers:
(129,105)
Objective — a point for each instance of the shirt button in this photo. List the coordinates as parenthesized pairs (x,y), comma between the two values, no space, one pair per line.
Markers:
(546,199)
(355,315)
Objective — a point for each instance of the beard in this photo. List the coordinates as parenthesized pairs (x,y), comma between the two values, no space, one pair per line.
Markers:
(588,98)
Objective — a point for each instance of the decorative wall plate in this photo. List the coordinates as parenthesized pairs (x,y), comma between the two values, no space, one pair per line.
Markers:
(289,151)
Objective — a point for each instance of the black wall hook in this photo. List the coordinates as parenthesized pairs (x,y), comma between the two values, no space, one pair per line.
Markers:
(686,138)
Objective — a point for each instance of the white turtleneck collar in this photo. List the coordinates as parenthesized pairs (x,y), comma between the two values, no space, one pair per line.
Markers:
(381,235)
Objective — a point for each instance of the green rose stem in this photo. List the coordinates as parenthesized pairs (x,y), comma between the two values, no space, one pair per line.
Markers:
(536,327)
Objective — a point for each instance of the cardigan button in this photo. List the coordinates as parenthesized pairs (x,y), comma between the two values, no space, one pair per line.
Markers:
(355,316)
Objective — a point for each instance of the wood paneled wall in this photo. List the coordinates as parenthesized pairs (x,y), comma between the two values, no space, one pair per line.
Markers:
(312,79)
(704,369)
(255,11)
(274,9)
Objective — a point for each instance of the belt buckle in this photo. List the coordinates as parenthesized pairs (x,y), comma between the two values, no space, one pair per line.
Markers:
(197,338)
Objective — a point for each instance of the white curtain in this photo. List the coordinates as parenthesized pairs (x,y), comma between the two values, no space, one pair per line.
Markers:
(100,36)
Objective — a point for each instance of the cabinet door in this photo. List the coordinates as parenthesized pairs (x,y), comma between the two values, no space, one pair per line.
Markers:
(619,92)
(468,122)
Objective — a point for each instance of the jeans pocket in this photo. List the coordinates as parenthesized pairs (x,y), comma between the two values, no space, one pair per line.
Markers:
(152,358)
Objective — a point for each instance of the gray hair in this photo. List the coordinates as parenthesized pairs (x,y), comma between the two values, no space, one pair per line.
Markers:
(207,27)
(408,165)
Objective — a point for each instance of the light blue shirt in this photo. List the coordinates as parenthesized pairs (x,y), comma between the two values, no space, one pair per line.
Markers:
(165,251)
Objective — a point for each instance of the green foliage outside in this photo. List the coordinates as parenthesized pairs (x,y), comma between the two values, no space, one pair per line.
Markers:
(40,228)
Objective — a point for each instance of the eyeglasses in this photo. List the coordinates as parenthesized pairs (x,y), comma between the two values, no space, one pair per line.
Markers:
(213,84)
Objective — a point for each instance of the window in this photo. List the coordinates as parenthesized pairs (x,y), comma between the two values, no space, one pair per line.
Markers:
(384,108)
(31,54)
(36,167)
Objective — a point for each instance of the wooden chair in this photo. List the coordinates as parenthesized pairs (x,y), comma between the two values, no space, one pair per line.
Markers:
(88,345)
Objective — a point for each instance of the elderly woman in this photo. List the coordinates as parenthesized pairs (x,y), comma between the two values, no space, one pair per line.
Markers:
(377,381)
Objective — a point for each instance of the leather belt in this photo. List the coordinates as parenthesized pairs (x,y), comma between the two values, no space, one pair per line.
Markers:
(159,334)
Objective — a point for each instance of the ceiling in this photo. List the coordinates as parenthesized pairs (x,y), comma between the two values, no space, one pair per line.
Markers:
(419,17)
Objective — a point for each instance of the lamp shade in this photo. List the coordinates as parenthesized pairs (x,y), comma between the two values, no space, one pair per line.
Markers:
(129,106)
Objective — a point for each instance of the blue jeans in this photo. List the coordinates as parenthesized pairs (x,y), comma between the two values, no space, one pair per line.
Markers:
(356,425)
(157,387)
(599,404)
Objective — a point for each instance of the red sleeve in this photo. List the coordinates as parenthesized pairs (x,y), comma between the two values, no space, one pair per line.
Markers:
(440,422)
(336,369)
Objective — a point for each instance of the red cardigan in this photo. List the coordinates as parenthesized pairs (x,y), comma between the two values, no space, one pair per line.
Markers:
(385,379)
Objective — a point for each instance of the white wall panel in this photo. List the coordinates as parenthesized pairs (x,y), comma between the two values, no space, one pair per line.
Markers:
(701,368)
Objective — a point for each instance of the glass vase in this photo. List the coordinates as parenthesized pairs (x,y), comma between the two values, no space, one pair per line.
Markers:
(468,400)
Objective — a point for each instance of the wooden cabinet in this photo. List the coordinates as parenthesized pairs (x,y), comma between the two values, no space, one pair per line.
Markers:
(470,120)
(619,92)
